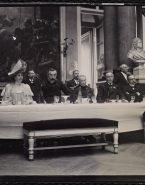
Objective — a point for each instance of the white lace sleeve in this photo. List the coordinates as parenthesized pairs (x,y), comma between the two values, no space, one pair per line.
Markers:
(6,95)
(29,94)
(27,90)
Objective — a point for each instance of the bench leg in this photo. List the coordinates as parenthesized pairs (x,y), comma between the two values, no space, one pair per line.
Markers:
(31,148)
(144,130)
(24,143)
(103,138)
(103,147)
(115,137)
(34,146)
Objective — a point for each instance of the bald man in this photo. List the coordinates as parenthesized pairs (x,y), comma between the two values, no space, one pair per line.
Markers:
(132,89)
(121,78)
(108,91)
(86,91)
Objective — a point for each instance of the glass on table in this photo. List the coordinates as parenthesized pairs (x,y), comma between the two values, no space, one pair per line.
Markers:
(88,99)
(108,100)
(65,99)
(143,98)
(94,99)
(68,100)
(4,103)
(117,98)
(56,99)
(85,100)
(132,99)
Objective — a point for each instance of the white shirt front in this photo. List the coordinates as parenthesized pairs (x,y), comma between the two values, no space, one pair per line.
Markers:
(125,76)
(31,80)
(76,81)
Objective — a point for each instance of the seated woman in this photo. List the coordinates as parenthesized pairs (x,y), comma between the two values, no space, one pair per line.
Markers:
(17,93)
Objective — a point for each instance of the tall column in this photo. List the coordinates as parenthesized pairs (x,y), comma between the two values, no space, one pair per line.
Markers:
(72,32)
(126,26)
(139,22)
(110,38)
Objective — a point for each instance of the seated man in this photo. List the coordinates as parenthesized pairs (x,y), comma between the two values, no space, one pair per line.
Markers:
(53,87)
(85,90)
(75,81)
(108,91)
(121,78)
(132,89)
(35,85)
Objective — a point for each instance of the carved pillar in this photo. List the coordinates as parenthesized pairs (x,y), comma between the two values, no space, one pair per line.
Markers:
(110,38)
(126,26)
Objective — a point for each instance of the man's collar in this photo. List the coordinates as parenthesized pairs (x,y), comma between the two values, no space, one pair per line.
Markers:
(76,80)
(132,85)
(52,83)
(109,84)
(83,86)
(31,79)
(123,73)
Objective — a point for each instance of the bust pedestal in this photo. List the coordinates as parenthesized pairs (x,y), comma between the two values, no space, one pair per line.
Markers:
(139,71)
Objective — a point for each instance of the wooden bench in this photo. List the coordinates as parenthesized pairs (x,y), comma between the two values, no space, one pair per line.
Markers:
(64,128)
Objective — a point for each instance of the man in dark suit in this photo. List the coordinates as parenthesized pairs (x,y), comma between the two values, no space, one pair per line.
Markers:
(133,90)
(86,91)
(108,91)
(75,81)
(53,87)
(121,78)
(35,84)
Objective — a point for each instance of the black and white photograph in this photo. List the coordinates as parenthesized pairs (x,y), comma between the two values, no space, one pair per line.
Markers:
(72,90)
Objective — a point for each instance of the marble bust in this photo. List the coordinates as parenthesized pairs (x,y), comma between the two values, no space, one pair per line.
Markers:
(137,54)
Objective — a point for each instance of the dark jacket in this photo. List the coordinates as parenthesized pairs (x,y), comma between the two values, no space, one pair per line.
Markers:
(86,92)
(129,91)
(120,80)
(35,87)
(50,90)
(105,91)
(71,83)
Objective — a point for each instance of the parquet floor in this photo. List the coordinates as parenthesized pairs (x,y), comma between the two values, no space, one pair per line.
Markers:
(90,161)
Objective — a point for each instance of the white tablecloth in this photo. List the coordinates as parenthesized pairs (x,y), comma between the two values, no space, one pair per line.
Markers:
(12,117)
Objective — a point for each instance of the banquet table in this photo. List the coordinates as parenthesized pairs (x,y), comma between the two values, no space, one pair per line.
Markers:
(12,117)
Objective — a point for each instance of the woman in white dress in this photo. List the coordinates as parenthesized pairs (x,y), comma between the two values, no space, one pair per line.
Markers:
(17,93)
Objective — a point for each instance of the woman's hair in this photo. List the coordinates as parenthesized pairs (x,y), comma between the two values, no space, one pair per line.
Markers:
(134,43)
(13,76)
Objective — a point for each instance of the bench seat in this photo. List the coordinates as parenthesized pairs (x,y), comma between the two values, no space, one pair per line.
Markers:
(63,128)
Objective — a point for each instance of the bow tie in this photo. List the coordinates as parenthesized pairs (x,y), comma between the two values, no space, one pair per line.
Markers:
(31,80)
(131,85)
(110,84)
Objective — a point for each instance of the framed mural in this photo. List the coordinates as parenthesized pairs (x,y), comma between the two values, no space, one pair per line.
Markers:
(32,34)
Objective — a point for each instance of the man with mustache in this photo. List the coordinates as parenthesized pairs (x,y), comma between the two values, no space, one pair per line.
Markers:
(35,84)
(132,89)
(85,90)
(53,87)
(108,91)
(75,81)
(120,79)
